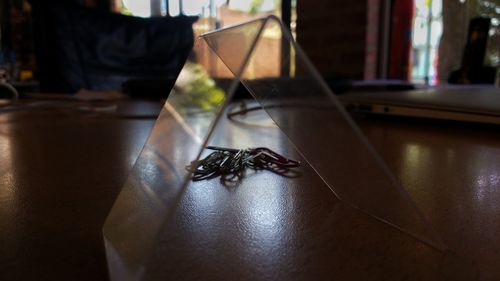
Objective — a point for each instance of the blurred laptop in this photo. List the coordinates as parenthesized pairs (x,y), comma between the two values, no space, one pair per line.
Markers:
(472,104)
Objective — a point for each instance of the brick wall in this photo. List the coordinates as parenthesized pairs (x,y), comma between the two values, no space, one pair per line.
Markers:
(333,34)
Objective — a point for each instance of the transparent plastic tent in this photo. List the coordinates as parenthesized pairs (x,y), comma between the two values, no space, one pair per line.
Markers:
(262,56)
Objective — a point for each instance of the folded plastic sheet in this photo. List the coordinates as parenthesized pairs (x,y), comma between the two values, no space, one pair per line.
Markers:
(263,56)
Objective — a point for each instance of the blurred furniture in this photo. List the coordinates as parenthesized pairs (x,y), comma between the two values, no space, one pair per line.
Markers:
(58,182)
(79,47)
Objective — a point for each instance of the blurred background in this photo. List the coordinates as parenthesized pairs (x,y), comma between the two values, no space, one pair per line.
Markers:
(422,42)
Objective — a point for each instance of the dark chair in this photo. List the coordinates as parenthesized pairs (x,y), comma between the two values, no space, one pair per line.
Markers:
(79,47)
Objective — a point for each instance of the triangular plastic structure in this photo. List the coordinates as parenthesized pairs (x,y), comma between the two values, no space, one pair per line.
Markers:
(152,210)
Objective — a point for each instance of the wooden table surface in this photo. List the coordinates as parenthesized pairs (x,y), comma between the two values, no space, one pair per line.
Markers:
(61,171)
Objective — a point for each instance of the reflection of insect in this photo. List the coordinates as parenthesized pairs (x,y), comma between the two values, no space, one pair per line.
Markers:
(230,163)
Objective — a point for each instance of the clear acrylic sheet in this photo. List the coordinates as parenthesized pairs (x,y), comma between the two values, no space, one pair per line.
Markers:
(285,84)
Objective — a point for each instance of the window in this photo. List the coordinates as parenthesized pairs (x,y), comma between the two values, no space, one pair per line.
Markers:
(215,14)
(427,30)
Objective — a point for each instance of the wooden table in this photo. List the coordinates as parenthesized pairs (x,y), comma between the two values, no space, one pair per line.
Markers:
(62,170)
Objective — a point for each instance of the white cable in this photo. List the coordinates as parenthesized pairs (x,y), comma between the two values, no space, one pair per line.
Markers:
(13,91)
